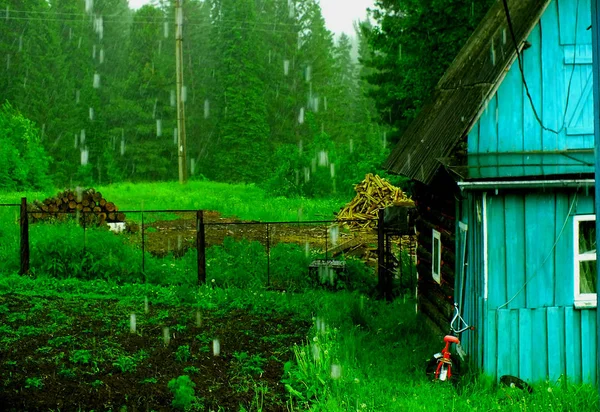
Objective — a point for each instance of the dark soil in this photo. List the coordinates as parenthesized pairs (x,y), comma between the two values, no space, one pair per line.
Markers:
(58,354)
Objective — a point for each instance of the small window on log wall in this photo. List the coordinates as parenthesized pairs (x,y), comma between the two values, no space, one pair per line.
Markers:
(436,257)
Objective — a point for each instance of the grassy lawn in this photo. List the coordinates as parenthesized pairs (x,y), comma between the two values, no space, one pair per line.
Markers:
(67,341)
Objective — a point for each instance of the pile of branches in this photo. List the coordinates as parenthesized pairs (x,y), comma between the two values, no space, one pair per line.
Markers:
(89,206)
(372,194)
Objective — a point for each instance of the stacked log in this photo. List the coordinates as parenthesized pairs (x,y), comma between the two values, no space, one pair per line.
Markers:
(89,206)
(372,194)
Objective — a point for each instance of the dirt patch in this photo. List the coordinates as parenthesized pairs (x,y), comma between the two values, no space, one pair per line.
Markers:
(81,354)
(176,236)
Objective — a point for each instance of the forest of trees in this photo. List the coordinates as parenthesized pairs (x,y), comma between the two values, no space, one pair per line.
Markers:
(270,96)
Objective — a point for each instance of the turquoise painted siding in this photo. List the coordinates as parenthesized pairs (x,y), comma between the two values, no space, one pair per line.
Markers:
(507,140)
(527,326)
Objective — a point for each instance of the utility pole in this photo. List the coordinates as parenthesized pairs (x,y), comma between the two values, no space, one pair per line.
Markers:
(181,144)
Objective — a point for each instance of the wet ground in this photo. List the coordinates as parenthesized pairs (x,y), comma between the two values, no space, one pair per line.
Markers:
(58,354)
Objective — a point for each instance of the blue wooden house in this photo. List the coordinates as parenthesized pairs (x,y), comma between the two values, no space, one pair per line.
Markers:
(510,125)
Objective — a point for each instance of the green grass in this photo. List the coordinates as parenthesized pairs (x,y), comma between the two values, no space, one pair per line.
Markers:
(247,202)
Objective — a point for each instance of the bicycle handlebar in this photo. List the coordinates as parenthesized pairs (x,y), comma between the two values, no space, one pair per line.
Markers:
(462,324)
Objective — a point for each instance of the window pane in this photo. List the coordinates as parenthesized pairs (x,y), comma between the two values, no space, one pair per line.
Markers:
(436,255)
(587,236)
(587,276)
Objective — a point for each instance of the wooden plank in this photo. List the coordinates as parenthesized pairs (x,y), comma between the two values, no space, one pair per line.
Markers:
(588,346)
(563,252)
(496,251)
(539,222)
(488,139)
(514,211)
(505,329)
(472,150)
(510,118)
(553,100)
(539,343)
(513,342)
(490,334)
(532,130)
(573,344)
(525,345)
(556,344)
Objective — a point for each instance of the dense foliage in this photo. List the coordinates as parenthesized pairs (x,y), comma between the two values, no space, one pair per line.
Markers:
(270,96)
(410,46)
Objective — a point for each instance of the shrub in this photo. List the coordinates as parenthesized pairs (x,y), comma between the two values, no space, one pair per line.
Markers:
(184,394)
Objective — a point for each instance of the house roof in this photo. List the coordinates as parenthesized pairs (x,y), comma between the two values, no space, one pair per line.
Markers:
(462,93)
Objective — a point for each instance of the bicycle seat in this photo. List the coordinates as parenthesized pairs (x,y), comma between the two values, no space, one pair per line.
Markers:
(451,339)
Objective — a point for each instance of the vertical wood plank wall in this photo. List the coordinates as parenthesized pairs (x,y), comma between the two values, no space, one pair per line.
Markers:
(558,70)
(528,326)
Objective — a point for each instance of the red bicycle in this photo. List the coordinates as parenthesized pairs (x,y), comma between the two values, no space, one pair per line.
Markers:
(440,365)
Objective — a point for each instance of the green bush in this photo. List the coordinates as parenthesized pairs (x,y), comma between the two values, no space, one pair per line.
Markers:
(184,394)
(237,263)
(23,160)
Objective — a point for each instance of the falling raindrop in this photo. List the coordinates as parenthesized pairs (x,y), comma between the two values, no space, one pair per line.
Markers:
(94,52)
(132,325)
(323,158)
(315,104)
(91,113)
(159,46)
(286,67)
(79,43)
(166,335)
(300,147)
(336,371)
(175,136)
(493,54)
(216,347)
(122,146)
(102,56)
(70,33)
(192,166)
(178,242)
(172,98)
(384,140)
(270,53)
(158,127)
(503,36)
(206,108)
(325,103)
(306,175)
(78,192)
(306,249)
(84,156)
(291,9)
(166,29)
(82,137)
(77,95)
(332,169)
(316,352)
(308,73)
(75,141)
(96,81)
(20,43)
(334,234)
(183,94)
(301,116)
(351,146)
(146,306)
(89,5)
(313,164)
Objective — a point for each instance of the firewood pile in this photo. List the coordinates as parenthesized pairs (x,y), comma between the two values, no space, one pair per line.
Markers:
(89,206)
(372,194)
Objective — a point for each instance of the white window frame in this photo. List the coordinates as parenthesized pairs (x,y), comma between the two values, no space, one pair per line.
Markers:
(582,300)
(436,271)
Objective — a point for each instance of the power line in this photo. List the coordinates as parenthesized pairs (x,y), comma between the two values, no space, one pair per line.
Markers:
(520,64)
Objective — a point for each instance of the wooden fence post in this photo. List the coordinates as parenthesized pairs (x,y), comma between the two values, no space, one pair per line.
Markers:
(201,247)
(381,270)
(24,250)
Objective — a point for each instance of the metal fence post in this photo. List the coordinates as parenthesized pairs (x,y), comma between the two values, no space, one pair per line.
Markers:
(24,225)
(143,249)
(381,270)
(200,247)
(268,258)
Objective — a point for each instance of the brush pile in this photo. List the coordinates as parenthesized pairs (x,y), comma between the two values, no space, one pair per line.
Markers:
(372,194)
(89,206)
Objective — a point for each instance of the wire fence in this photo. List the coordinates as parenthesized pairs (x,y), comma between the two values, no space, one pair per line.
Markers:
(180,245)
